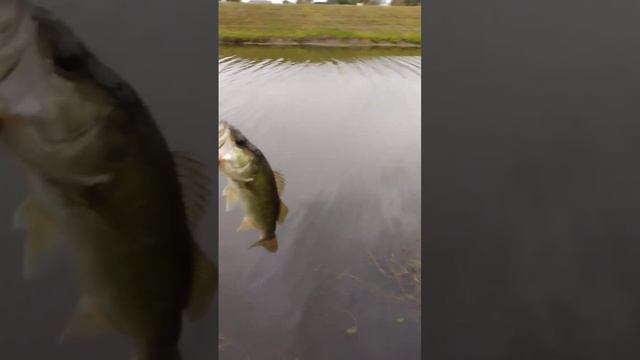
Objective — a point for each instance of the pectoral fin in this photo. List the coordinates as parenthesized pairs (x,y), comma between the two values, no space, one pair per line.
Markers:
(203,285)
(231,197)
(87,321)
(40,229)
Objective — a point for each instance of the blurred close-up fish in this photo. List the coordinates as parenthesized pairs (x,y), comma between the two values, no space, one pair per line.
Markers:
(103,182)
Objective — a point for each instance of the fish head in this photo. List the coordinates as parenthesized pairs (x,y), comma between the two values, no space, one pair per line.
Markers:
(235,156)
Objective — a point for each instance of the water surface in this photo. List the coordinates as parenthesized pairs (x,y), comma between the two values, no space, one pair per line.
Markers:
(344,129)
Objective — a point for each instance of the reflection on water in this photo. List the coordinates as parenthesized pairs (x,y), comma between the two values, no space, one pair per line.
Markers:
(345,282)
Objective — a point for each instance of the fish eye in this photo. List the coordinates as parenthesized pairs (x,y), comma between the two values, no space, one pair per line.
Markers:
(241,142)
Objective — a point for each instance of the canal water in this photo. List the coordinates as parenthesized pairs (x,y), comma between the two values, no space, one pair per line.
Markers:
(343,126)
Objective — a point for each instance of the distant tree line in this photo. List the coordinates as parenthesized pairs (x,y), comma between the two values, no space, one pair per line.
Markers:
(376,2)
(354,2)
(369,2)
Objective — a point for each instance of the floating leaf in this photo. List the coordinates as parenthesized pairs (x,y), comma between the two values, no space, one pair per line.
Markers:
(400,320)
(352,330)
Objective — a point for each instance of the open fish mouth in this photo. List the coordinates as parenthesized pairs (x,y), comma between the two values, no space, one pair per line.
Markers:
(16,32)
(223,133)
(224,146)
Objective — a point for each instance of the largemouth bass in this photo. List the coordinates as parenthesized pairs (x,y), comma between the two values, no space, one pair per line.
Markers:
(102,179)
(252,183)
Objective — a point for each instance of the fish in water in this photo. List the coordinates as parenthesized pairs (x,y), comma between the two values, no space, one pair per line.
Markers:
(102,180)
(252,183)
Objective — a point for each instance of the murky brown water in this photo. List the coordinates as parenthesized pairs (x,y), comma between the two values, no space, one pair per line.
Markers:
(345,131)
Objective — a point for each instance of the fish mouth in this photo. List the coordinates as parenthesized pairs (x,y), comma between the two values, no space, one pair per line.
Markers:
(223,133)
(16,31)
(223,142)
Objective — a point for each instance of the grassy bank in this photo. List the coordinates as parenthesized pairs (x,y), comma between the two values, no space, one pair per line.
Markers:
(323,25)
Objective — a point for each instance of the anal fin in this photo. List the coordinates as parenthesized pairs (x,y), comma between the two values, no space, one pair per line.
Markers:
(87,321)
(246,224)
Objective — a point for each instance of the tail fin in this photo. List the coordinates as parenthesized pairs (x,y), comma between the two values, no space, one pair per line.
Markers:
(271,244)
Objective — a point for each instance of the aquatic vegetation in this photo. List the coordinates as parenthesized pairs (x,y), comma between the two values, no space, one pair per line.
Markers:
(403,276)
(353,329)
(405,272)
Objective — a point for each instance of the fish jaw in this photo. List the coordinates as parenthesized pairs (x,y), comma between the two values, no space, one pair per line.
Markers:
(224,153)
(23,74)
(18,32)
(223,133)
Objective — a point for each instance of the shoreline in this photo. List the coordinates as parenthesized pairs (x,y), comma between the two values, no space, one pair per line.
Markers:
(301,53)
(331,43)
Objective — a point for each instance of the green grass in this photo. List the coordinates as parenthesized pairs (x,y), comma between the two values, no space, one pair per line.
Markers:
(312,23)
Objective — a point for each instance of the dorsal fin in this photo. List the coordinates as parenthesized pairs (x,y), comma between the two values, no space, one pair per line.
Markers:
(284,210)
(195,186)
(280,181)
